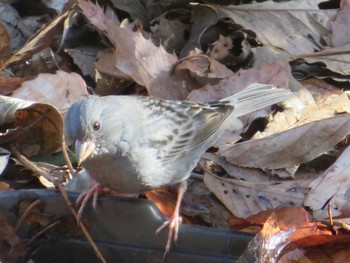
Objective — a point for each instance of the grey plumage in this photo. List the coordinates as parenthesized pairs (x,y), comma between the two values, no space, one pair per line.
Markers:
(144,143)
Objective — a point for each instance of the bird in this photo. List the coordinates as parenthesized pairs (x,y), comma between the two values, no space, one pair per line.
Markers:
(133,144)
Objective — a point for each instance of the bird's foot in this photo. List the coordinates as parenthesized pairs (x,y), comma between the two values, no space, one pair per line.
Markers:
(85,196)
(173,224)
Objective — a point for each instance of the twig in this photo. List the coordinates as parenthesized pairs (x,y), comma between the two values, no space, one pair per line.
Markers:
(330,215)
(66,157)
(81,225)
(31,166)
(26,213)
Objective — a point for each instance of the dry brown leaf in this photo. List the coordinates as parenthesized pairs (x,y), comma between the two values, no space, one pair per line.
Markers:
(290,237)
(107,64)
(268,68)
(138,57)
(5,50)
(204,67)
(331,187)
(164,199)
(292,147)
(61,89)
(12,249)
(239,81)
(8,85)
(33,127)
(42,40)
(290,214)
(244,198)
(4,186)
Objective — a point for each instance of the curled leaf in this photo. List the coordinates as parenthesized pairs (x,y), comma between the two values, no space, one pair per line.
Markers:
(33,127)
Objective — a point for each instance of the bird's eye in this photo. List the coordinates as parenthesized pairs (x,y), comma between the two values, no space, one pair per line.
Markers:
(96,126)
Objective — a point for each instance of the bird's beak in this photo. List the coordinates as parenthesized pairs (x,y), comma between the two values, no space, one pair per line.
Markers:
(83,150)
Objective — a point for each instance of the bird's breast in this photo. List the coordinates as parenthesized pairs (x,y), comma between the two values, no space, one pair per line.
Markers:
(121,173)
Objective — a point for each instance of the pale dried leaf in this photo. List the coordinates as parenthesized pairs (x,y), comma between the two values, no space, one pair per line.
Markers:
(244,198)
(340,27)
(333,186)
(336,59)
(4,159)
(298,27)
(292,147)
(323,109)
(236,172)
(61,89)
(55,4)
(294,26)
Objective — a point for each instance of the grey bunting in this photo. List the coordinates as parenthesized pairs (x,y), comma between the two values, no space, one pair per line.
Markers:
(133,144)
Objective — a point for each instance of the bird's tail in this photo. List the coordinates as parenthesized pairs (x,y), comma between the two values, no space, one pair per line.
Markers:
(257,96)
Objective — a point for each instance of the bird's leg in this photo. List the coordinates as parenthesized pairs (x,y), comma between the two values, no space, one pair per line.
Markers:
(85,196)
(175,220)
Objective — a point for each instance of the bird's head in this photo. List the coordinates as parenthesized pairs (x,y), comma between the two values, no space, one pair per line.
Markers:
(83,126)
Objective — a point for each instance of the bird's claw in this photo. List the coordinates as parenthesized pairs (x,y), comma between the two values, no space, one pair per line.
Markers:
(84,198)
(173,224)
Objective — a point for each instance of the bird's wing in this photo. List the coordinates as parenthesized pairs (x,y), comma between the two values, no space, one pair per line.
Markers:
(175,131)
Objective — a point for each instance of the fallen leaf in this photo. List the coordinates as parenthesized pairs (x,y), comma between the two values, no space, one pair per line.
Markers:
(244,198)
(4,186)
(268,68)
(290,237)
(332,187)
(84,57)
(313,111)
(340,26)
(61,89)
(290,148)
(288,213)
(208,70)
(33,127)
(12,249)
(42,40)
(8,85)
(4,159)
(138,57)
(293,26)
